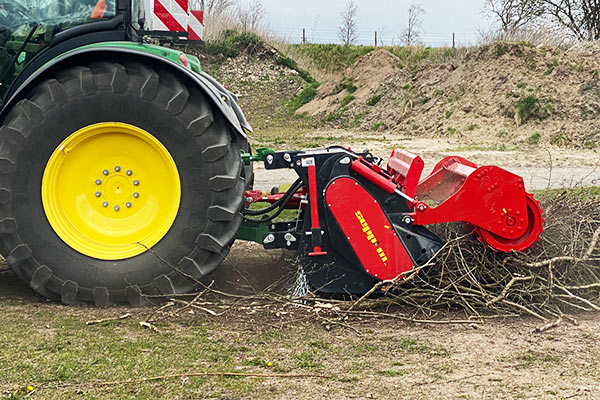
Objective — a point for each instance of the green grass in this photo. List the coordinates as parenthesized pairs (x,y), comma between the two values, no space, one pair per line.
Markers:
(336,58)
(530,359)
(346,84)
(232,43)
(378,125)
(347,100)
(305,97)
(531,106)
(374,100)
(291,64)
(534,139)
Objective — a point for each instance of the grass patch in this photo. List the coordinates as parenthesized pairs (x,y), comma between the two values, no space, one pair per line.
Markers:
(529,107)
(307,361)
(560,139)
(347,100)
(374,100)
(232,43)
(345,85)
(534,139)
(416,347)
(287,62)
(305,97)
(531,358)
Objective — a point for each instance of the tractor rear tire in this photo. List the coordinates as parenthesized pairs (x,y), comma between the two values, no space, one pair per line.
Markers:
(208,171)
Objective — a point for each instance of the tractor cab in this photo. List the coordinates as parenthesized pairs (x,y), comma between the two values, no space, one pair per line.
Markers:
(27,27)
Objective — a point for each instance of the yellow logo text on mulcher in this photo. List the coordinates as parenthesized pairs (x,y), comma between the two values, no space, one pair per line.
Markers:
(370,235)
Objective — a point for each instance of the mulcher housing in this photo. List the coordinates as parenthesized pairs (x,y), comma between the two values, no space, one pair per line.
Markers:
(359,223)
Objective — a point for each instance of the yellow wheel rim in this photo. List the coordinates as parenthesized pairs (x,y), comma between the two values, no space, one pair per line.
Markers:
(111,191)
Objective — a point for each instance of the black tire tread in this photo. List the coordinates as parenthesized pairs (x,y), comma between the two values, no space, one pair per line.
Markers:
(207,126)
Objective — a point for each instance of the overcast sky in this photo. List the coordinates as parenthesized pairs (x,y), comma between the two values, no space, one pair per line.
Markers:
(321,18)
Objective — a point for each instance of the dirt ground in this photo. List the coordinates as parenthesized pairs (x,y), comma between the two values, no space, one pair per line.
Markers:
(374,359)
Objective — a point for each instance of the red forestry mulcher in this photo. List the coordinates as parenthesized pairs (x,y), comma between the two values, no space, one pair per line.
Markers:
(359,223)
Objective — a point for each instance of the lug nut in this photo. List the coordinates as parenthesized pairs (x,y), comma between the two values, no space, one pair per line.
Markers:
(105,172)
(105,204)
(136,183)
(128,205)
(98,194)
(129,172)
(136,195)
(117,168)
(117,208)
(98,182)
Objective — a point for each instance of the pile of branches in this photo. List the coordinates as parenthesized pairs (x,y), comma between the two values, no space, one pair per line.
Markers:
(561,274)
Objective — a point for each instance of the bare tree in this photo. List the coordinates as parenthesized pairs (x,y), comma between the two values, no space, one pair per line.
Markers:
(215,7)
(348,31)
(514,15)
(411,35)
(251,15)
(580,17)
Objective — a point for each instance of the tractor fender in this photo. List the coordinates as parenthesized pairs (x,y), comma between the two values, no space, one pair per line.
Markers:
(222,99)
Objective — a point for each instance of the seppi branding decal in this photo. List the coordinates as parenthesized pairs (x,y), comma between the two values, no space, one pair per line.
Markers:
(370,235)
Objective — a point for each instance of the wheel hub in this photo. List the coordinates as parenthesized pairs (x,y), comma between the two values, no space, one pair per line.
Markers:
(111,191)
(118,188)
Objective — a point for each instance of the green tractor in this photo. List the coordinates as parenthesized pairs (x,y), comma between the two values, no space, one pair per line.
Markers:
(120,166)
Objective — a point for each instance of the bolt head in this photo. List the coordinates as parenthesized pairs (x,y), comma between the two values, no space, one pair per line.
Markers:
(136,195)
(105,204)
(98,194)
(117,208)
(105,172)
(128,204)
(136,183)
(98,182)
(117,168)
(129,172)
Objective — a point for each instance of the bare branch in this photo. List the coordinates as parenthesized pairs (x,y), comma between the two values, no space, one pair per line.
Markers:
(513,15)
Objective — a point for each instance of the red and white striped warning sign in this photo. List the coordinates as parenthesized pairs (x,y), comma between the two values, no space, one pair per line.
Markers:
(196,25)
(170,15)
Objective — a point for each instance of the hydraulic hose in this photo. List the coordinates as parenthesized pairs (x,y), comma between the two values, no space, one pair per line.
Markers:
(278,204)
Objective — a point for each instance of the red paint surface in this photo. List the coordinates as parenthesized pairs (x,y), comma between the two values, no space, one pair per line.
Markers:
(363,220)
